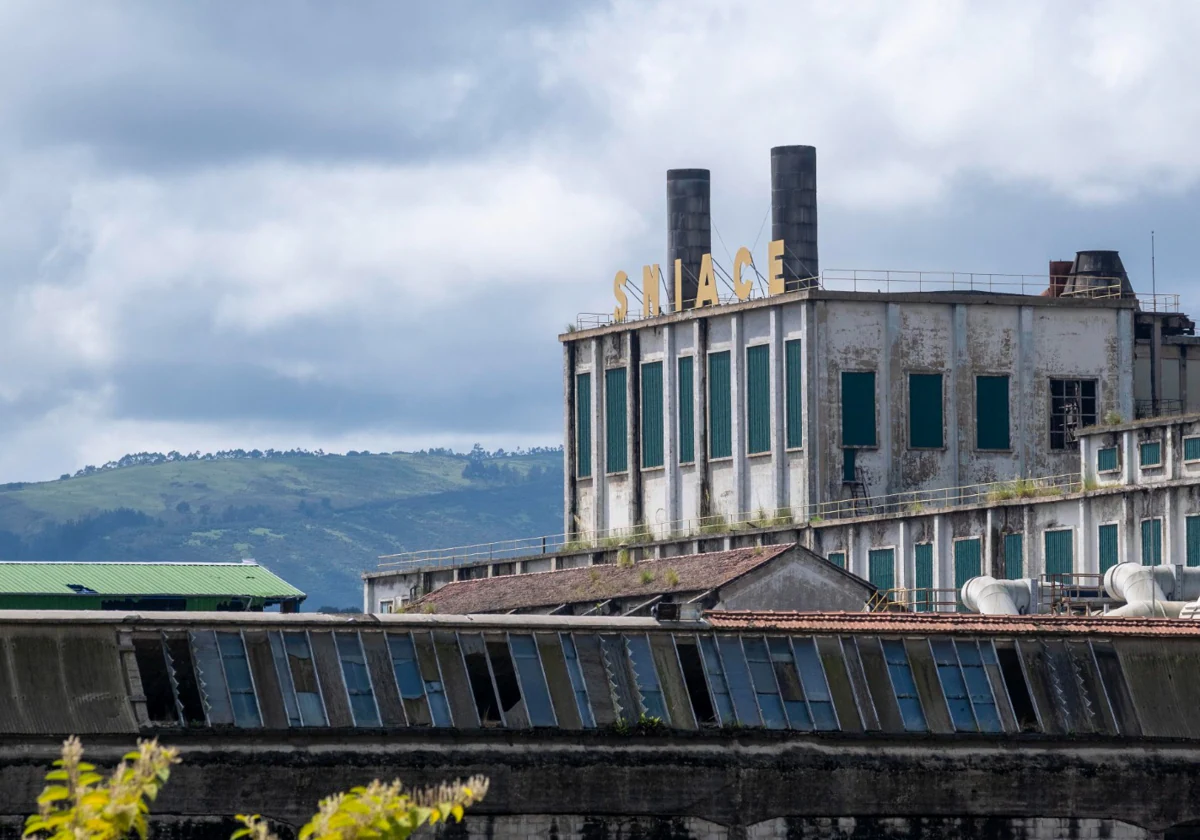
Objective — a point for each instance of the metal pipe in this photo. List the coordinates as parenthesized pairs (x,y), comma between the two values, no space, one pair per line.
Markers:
(1150,609)
(1131,582)
(988,596)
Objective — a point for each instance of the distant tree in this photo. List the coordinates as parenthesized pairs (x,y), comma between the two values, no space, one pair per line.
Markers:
(183,507)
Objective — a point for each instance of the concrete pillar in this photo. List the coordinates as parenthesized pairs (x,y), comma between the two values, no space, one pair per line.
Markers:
(1023,412)
(737,376)
(1169,529)
(1033,566)
(960,398)
(700,394)
(905,572)
(1089,540)
(570,494)
(1125,345)
(891,398)
(672,476)
(599,484)
(989,564)
(1127,529)
(633,425)
(778,411)
(818,440)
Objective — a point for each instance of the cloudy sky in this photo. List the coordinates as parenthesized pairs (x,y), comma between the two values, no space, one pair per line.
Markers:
(361,225)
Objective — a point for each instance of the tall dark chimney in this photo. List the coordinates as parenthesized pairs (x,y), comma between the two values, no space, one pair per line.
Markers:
(794,212)
(689,226)
(1098,274)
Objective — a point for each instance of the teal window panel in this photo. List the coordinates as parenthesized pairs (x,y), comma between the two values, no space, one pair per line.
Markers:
(758,398)
(954,687)
(838,558)
(1108,459)
(858,408)
(923,566)
(1060,552)
(652,414)
(720,406)
(1014,556)
(616,423)
(583,425)
(925,421)
(1192,539)
(1150,454)
(687,411)
(968,560)
(1151,542)
(1110,553)
(848,471)
(904,686)
(793,367)
(1191,449)
(881,567)
(991,413)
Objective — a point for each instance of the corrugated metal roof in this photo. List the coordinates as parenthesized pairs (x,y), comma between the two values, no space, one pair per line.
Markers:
(997,625)
(234,579)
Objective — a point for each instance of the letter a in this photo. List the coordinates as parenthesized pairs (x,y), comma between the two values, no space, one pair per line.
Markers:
(706,291)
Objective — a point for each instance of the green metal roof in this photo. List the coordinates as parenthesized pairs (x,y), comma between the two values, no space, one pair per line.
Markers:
(233,579)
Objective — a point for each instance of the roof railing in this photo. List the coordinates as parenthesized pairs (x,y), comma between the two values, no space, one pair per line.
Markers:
(911,502)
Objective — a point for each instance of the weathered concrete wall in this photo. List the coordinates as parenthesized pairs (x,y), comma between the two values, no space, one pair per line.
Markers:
(795,583)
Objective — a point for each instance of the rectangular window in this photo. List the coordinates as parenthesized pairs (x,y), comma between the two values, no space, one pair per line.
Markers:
(923,568)
(1108,459)
(720,406)
(211,677)
(965,685)
(816,686)
(648,687)
(616,424)
(533,681)
(991,413)
(1191,449)
(758,399)
(652,414)
(583,425)
(766,690)
(1109,552)
(1014,556)
(304,678)
(1060,552)
(787,675)
(284,674)
(1072,407)
(838,558)
(237,676)
(971,658)
(858,408)
(1192,538)
(849,473)
(1151,542)
(413,686)
(881,568)
(156,681)
(358,681)
(687,411)
(715,672)
(967,560)
(925,421)
(793,367)
(954,688)
(1150,454)
(692,666)
(737,674)
(575,671)
(904,686)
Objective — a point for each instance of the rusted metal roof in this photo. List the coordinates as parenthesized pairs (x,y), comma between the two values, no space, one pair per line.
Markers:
(925,623)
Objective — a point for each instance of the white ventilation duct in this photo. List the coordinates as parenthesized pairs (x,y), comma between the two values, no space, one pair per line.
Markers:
(988,596)
(1130,582)
(1150,609)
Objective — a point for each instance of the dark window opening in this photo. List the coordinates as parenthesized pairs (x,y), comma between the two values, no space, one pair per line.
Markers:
(1018,691)
(697,686)
(481,689)
(1072,407)
(186,687)
(506,675)
(156,682)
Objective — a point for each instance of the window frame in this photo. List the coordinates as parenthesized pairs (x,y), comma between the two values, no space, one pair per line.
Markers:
(884,643)
(338,635)
(1045,545)
(799,402)
(842,408)
(1007,377)
(1184,447)
(249,669)
(977,538)
(588,720)
(1142,444)
(583,460)
(1066,397)
(727,352)
(679,408)
(624,467)
(880,548)
(1099,558)
(759,453)
(941,375)
(525,694)
(1142,533)
(1110,470)
(662,401)
(842,553)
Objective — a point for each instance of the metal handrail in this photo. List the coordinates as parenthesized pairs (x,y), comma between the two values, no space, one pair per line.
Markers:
(915,599)
(911,502)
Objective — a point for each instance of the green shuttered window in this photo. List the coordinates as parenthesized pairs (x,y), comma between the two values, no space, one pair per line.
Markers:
(616,424)
(923,566)
(687,411)
(838,558)
(858,409)
(1107,460)
(793,367)
(881,567)
(758,398)
(1151,454)
(1060,552)
(583,425)
(720,406)
(652,414)
(1014,556)
(1151,542)
(1191,449)
(991,412)
(1109,551)
(968,558)
(925,411)
(1192,538)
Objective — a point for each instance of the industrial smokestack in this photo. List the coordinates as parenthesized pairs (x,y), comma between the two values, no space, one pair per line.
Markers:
(794,213)
(689,229)
(1098,274)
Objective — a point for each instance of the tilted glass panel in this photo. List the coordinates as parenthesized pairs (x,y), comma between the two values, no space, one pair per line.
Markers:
(904,685)
(738,675)
(241,684)
(716,680)
(358,680)
(692,665)
(404,663)
(577,683)
(284,672)
(816,687)
(978,687)
(953,686)
(762,674)
(783,662)
(533,683)
(212,678)
(647,678)
(304,679)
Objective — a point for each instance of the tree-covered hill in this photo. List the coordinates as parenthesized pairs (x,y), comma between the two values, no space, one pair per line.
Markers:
(317,520)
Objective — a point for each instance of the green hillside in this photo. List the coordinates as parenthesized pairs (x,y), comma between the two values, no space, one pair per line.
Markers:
(318,522)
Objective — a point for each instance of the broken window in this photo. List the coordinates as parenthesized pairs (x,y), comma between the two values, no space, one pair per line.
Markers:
(183,675)
(507,687)
(578,686)
(284,673)
(816,686)
(1072,407)
(480,675)
(646,678)
(304,679)
(716,679)
(694,680)
(791,691)
(212,678)
(737,673)
(358,681)
(533,681)
(766,691)
(904,686)
(156,681)
(238,679)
